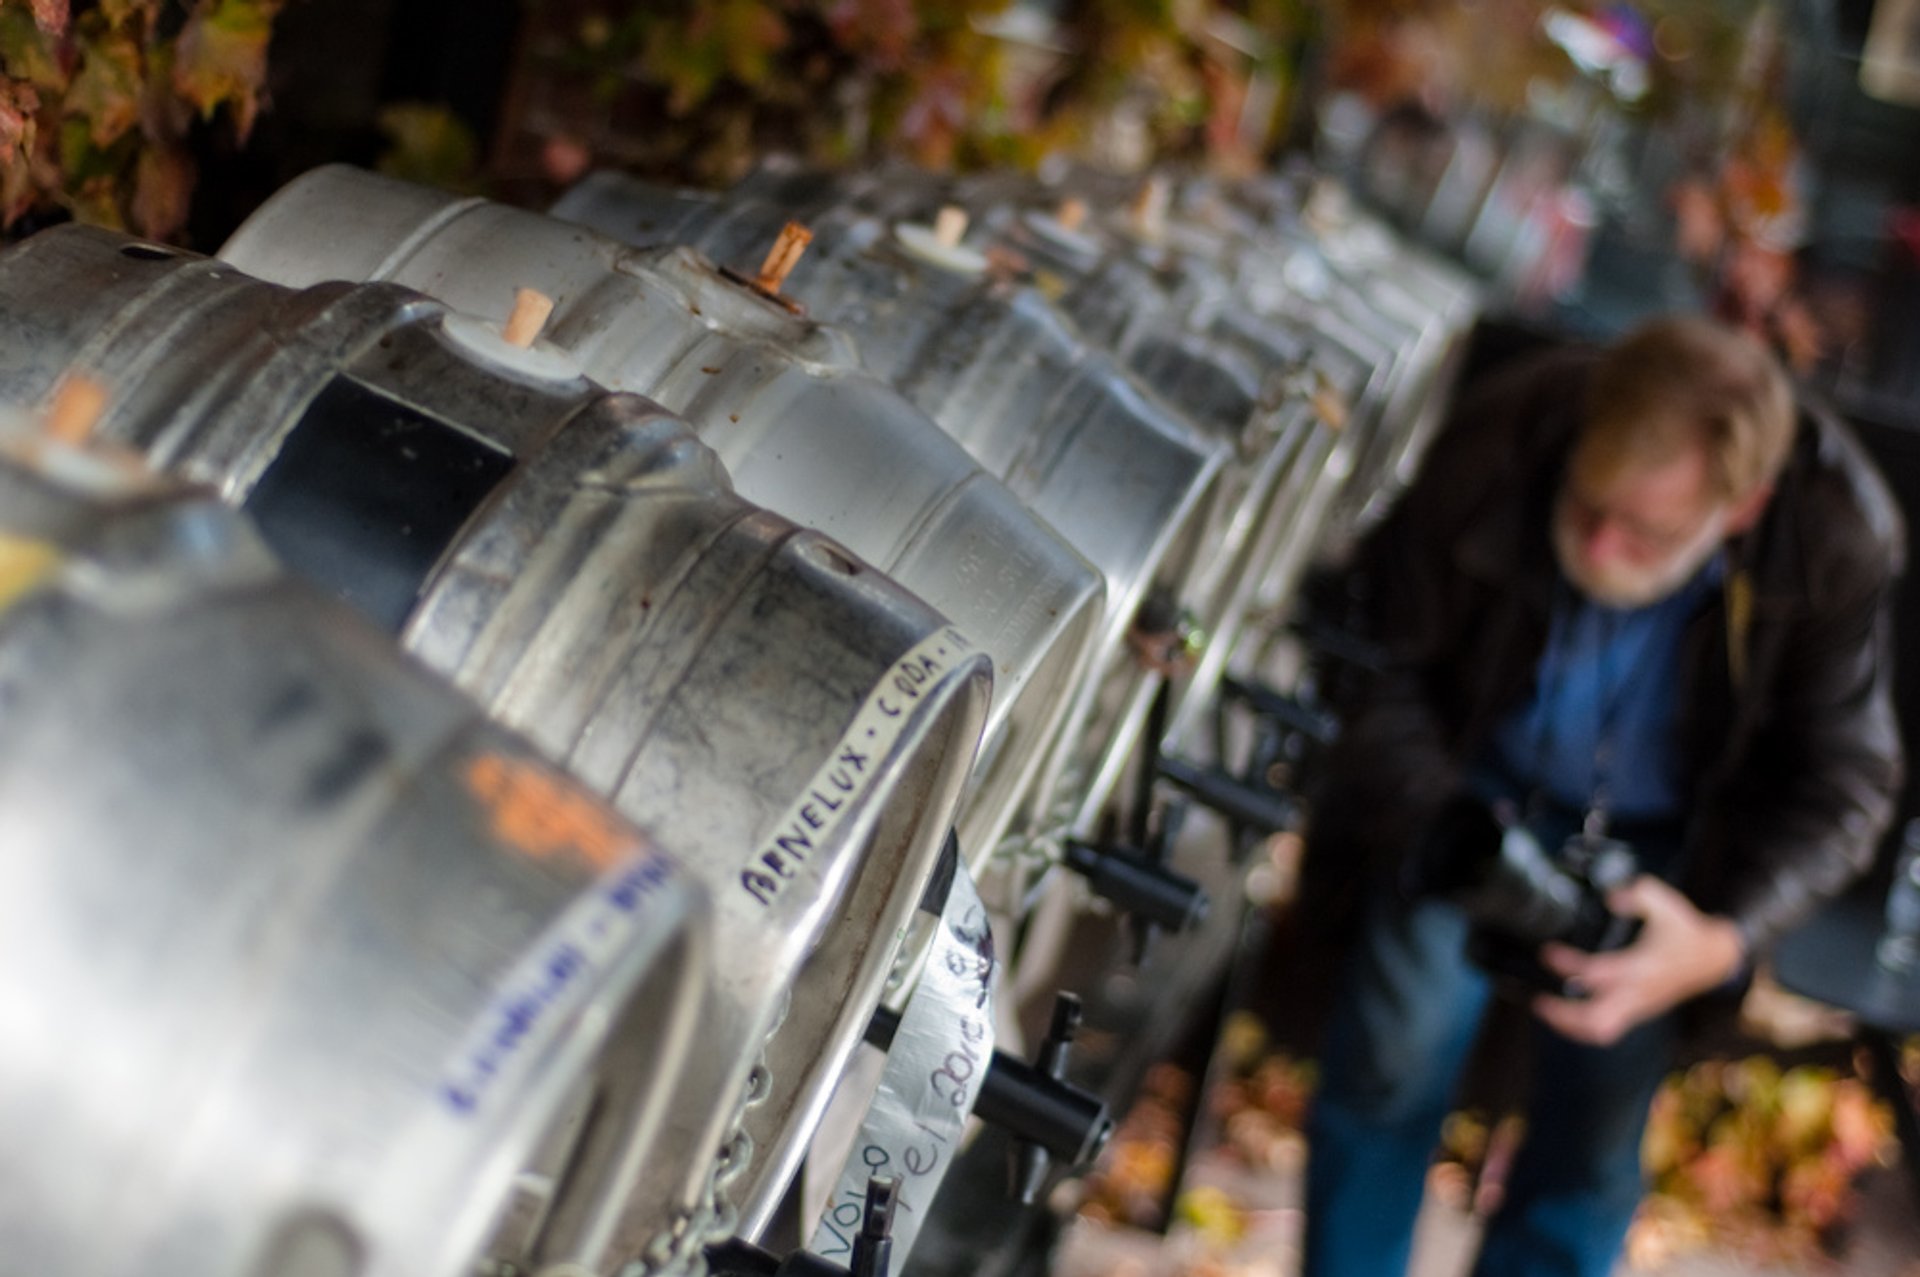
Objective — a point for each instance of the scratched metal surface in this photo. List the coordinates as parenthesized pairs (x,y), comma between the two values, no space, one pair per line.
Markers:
(288,968)
(782,400)
(1238,320)
(1293,238)
(1243,328)
(1162,317)
(1377,320)
(1328,281)
(697,658)
(1123,476)
(1242,380)
(1175,313)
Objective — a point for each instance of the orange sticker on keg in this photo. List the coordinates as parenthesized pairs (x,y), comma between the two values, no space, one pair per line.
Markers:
(24,564)
(540,813)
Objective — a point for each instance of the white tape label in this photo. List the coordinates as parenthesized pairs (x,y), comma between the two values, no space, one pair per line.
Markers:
(934,1071)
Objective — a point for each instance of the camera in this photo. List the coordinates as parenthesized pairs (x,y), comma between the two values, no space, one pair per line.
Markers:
(1518,896)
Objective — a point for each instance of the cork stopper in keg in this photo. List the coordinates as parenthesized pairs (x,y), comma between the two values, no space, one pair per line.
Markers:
(531,310)
(950,226)
(783,257)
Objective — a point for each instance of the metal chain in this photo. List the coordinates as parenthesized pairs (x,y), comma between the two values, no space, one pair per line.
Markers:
(680,1249)
(1023,854)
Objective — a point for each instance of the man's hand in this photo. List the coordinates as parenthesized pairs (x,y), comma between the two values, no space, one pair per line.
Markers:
(1679,952)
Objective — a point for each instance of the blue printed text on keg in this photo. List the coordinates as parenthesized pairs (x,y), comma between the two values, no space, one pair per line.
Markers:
(587,938)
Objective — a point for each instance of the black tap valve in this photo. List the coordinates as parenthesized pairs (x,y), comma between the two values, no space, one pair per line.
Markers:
(1292,731)
(1249,803)
(1138,884)
(1289,713)
(1032,1159)
(873,1245)
(1133,876)
(1032,1102)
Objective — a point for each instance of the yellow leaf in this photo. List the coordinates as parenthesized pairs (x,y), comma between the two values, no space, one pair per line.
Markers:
(221,58)
(120,12)
(429,144)
(106,91)
(26,53)
(96,200)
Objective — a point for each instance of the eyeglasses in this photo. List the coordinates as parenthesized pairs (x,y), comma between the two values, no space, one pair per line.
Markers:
(1640,540)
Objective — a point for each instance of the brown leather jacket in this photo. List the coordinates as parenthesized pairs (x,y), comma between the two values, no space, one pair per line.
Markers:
(1787,727)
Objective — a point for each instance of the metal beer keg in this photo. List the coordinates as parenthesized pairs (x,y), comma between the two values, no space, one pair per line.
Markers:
(1263,390)
(1124,478)
(780,399)
(797,725)
(308,968)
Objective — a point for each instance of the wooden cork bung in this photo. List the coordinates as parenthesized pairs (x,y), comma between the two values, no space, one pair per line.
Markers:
(783,257)
(531,309)
(950,226)
(1329,403)
(1150,207)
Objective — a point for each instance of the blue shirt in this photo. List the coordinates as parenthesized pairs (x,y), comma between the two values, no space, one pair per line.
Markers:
(1599,726)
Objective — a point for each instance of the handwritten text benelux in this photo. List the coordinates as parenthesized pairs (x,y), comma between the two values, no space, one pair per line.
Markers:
(806,827)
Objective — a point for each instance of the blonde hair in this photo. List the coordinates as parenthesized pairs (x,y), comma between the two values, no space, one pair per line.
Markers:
(1686,380)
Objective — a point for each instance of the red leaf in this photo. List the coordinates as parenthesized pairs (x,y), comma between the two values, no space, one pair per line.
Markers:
(162,191)
(18,102)
(51,16)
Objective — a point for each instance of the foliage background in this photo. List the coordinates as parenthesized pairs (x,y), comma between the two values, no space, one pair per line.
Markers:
(943,83)
(99,103)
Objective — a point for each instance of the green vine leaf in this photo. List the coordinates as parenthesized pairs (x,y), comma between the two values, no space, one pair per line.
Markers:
(429,144)
(26,52)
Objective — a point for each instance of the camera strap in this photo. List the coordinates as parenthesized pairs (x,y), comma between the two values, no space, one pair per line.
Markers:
(1612,683)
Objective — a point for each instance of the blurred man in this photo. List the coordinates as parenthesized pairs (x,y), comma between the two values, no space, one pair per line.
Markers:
(1634,601)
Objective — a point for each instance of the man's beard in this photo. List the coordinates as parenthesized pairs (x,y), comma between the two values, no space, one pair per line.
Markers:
(1624,587)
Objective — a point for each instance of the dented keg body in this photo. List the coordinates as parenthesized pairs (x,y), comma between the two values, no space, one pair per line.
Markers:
(1176,322)
(1252,385)
(1126,480)
(1153,281)
(309,968)
(1384,322)
(1276,394)
(780,398)
(796,724)
(1294,228)
(1152,278)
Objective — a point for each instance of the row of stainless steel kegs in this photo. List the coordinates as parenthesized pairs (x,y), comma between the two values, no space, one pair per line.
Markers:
(878,543)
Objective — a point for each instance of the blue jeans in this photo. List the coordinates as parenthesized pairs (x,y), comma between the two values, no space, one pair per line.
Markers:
(1409,1010)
